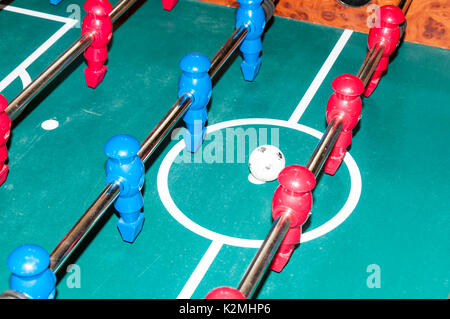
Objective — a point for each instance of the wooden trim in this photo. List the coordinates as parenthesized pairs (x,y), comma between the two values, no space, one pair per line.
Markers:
(428,20)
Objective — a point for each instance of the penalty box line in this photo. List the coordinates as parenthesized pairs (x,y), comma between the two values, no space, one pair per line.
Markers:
(21,70)
(213,250)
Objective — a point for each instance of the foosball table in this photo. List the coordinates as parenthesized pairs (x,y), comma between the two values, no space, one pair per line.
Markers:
(288,159)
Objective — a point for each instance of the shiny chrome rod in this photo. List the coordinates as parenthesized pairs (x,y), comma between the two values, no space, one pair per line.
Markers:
(164,126)
(18,104)
(370,63)
(264,256)
(323,149)
(404,5)
(226,50)
(93,214)
(120,9)
(68,244)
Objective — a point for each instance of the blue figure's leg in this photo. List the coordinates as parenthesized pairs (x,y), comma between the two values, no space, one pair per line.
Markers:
(251,16)
(55,2)
(131,219)
(132,215)
(195,129)
(251,50)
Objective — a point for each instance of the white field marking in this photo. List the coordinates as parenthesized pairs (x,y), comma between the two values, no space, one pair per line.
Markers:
(20,71)
(178,215)
(50,125)
(321,75)
(200,271)
(36,14)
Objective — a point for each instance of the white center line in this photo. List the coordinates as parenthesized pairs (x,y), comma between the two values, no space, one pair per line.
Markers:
(200,271)
(321,75)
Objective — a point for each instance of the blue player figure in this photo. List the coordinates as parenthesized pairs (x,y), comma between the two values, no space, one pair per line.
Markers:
(195,83)
(31,275)
(126,168)
(55,2)
(250,15)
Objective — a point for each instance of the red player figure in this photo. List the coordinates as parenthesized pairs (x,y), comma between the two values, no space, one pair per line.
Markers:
(346,104)
(225,293)
(5,130)
(387,34)
(97,22)
(169,4)
(293,197)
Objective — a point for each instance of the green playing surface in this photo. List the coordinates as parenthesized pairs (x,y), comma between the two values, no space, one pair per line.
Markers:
(379,227)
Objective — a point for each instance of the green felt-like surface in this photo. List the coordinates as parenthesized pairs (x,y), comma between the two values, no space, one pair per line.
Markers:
(400,222)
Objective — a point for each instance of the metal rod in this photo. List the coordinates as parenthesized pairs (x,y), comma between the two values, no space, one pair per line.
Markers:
(120,9)
(68,244)
(404,5)
(264,256)
(368,57)
(19,103)
(323,149)
(226,50)
(164,126)
(370,63)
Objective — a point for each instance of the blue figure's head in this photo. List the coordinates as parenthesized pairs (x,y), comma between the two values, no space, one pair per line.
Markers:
(122,148)
(195,63)
(124,165)
(251,15)
(195,80)
(29,265)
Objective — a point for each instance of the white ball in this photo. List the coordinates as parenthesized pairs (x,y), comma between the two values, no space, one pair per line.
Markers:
(266,162)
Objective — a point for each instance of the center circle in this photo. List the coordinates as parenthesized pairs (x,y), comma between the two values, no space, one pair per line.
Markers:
(335,221)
